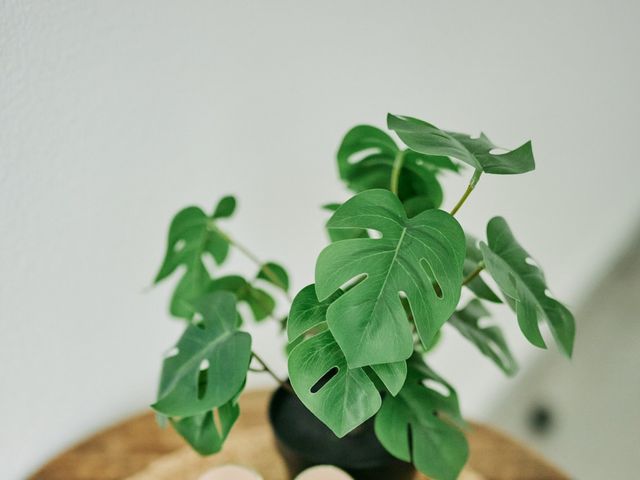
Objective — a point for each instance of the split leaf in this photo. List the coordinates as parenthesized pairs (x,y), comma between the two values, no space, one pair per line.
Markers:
(428,139)
(420,258)
(260,302)
(522,281)
(340,397)
(201,431)
(489,340)
(211,363)
(419,425)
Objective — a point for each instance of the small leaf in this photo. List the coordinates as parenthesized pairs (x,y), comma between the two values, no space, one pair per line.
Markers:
(260,302)
(421,257)
(225,208)
(275,274)
(428,139)
(489,340)
(201,431)
(471,261)
(525,286)
(211,364)
(416,426)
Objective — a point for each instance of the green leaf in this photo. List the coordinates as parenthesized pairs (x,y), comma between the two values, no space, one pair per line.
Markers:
(192,237)
(275,274)
(201,431)
(189,289)
(428,139)
(348,398)
(366,158)
(308,316)
(260,302)
(421,258)
(345,233)
(471,261)
(417,425)
(522,281)
(211,362)
(307,312)
(225,208)
(489,340)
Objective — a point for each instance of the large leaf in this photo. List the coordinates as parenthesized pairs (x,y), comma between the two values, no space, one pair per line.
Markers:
(522,281)
(419,425)
(428,139)
(366,158)
(471,262)
(341,397)
(420,258)
(192,236)
(488,339)
(201,431)
(211,362)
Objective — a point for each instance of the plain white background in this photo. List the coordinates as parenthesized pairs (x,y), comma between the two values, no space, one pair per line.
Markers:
(113,115)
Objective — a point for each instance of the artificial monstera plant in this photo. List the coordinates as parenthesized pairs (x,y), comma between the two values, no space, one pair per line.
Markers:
(390,280)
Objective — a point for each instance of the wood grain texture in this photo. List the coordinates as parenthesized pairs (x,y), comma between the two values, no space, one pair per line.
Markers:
(137,449)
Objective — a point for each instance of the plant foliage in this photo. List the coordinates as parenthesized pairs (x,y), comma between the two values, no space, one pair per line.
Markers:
(358,338)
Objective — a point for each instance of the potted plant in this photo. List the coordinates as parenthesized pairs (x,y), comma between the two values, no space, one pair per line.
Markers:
(361,394)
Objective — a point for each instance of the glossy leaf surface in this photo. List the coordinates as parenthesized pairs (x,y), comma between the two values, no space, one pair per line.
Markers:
(421,258)
(211,362)
(522,281)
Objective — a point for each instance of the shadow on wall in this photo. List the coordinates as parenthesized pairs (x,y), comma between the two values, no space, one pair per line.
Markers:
(584,414)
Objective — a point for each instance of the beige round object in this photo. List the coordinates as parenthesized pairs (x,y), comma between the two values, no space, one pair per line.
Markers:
(230,472)
(324,472)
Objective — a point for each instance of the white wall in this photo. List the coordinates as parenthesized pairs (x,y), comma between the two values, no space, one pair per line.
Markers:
(113,115)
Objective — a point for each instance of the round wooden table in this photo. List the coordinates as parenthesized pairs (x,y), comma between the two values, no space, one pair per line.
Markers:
(137,449)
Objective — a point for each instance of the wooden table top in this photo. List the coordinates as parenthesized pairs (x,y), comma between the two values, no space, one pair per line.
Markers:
(137,449)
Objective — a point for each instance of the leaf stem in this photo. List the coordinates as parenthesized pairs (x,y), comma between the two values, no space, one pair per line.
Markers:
(266,369)
(467,192)
(474,274)
(395,171)
(254,258)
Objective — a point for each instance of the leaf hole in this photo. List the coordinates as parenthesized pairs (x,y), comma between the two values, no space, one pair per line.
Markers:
(362,154)
(349,284)
(498,151)
(217,422)
(436,386)
(179,245)
(204,364)
(531,261)
(437,288)
(324,379)
(548,294)
(203,380)
(375,234)
(172,352)
(198,320)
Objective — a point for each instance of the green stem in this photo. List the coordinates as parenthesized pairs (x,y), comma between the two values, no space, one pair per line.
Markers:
(467,192)
(266,369)
(395,171)
(474,274)
(251,256)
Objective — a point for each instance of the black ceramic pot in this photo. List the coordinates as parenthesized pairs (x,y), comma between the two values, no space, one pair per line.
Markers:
(304,441)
